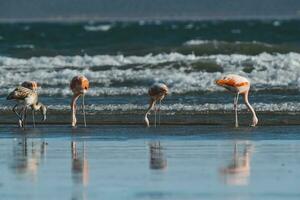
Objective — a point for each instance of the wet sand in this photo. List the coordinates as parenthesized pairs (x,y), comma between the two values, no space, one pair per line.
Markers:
(133,162)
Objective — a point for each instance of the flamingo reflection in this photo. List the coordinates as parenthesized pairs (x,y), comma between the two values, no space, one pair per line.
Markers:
(158,160)
(80,167)
(238,171)
(27,157)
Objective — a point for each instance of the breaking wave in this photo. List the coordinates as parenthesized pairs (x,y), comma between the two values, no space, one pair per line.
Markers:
(104,27)
(121,75)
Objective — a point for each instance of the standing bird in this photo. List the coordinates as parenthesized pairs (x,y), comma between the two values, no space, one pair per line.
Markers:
(26,98)
(79,86)
(239,85)
(33,86)
(157,92)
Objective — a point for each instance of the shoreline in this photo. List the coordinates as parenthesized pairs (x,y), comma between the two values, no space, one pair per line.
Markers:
(213,119)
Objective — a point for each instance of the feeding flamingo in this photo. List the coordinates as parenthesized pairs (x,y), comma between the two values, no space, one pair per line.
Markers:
(33,86)
(27,98)
(79,86)
(239,85)
(157,92)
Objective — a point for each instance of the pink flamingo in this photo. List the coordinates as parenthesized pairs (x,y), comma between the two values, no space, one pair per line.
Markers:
(239,85)
(157,92)
(79,86)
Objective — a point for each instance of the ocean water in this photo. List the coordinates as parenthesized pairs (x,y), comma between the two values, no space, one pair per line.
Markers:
(131,162)
(123,59)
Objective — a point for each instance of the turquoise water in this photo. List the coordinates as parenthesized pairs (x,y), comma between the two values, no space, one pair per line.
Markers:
(131,162)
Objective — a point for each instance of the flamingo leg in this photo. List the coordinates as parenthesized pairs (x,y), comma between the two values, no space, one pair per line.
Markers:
(236,110)
(33,118)
(25,116)
(83,110)
(22,113)
(14,110)
(159,112)
(155,110)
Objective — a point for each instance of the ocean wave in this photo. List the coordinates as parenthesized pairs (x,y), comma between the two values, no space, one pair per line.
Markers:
(197,42)
(103,27)
(119,74)
(24,46)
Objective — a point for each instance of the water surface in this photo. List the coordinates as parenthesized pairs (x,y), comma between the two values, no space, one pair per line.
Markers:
(168,162)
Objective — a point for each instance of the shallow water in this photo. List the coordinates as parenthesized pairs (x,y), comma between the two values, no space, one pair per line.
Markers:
(132,162)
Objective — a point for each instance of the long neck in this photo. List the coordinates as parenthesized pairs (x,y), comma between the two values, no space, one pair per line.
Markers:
(73,108)
(151,104)
(254,117)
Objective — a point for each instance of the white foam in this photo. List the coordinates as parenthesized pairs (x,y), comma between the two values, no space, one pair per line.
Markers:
(25,46)
(175,69)
(197,42)
(103,27)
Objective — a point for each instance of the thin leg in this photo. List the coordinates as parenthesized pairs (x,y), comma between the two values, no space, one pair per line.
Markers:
(25,117)
(155,116)
(236,110)
(83,111)
(14,110)
(33,118)
(21,121)
(159,112)
(18,114)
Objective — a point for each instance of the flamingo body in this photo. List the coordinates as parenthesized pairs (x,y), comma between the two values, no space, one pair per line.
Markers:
(239,85)
(79,86)
(234,83)
(157,92)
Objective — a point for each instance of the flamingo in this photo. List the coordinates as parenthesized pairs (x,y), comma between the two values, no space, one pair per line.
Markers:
(33,86)
(157,92)
(27,98)
(79,86)
(239,85)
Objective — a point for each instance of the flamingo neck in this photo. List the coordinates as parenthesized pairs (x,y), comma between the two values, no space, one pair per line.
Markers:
(254,117)
(151,105)
(73,108)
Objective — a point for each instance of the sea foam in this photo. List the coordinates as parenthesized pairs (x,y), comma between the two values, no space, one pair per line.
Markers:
(119,74)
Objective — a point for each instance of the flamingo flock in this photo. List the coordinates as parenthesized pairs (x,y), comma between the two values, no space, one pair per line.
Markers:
(26,96)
